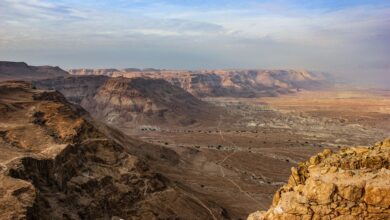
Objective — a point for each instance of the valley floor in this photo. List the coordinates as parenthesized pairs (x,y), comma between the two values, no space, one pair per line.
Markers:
(243,160)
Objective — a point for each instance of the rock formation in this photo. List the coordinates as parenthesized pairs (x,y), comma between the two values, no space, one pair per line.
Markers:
(351,184)
(57,163)
(234,83)
(133,101)
(22,71)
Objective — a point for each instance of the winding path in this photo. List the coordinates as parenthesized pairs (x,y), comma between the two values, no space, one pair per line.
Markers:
(220,163)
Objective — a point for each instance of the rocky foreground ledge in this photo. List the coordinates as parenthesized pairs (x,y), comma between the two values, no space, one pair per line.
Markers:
(353,183)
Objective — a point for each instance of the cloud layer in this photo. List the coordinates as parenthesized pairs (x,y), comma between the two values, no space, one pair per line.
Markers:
(333,36)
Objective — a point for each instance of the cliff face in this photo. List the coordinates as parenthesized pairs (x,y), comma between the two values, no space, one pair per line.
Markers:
(351,184)
(56,163)
(22,71)
(234,83)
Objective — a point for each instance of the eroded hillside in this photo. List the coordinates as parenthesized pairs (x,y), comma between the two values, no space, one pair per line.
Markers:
(57,164)
(130,102)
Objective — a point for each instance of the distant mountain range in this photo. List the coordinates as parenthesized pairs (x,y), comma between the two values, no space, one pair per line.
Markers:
(233,83)
(22,71)
(132,97)
(205,83)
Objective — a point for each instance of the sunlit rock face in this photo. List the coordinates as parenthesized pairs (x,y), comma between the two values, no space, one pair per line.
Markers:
(353,183)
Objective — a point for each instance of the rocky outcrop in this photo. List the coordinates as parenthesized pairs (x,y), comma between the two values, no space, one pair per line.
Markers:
(233,83)
(351,184)
(56,163)
(22,71)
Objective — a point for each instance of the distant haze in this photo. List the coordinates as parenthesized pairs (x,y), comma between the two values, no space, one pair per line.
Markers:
(347,38)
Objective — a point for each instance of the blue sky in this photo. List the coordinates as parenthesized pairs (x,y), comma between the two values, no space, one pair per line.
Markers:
(347,38)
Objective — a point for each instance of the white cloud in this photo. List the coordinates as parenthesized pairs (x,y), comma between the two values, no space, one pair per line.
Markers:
(166,35)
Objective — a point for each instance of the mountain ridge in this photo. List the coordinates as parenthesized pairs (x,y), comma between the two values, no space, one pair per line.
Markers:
(234,83)
(22,71)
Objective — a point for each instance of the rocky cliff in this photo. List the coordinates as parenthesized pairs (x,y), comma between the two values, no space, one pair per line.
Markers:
(234,83)
(353,183)
(57,163)
(22,71)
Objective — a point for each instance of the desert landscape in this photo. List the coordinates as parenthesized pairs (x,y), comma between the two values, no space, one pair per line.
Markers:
(254,152)
(194,110)
(226,155)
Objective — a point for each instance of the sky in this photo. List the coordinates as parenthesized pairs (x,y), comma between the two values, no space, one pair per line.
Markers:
(350,39)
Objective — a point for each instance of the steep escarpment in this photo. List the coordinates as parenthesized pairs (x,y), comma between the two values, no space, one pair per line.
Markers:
(351,184)
(233,83)
(56,163)
(132,102)
(22,71)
